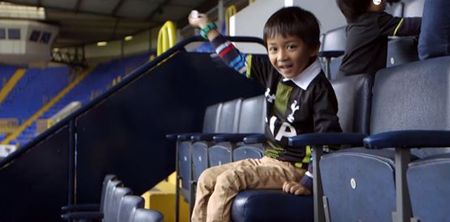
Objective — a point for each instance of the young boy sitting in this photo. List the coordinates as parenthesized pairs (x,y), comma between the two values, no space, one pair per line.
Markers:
(367,34)
(299,97)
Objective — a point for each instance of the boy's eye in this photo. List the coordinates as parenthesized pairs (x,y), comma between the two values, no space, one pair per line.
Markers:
(272,49)
(291,47)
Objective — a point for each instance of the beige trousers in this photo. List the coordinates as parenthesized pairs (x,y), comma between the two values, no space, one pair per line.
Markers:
(217,186)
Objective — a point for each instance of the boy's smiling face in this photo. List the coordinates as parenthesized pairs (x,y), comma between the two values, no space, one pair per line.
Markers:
(289,55)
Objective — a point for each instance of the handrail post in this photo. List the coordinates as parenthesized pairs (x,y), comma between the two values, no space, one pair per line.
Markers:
(72,171)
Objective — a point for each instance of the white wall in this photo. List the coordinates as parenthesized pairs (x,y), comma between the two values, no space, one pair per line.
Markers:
(24,51)
(250,20)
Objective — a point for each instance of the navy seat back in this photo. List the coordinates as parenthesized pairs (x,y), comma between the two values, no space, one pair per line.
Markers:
(252,115)
(413,8)
(112,212)
(401,50)
(428,184)
(107,184)
(229,116)
(331,50)
(211,118)
(128,205)
(228,123)
(395,9)
(413,97)
(109,193)
(354,98)
(146,215)
(252,120)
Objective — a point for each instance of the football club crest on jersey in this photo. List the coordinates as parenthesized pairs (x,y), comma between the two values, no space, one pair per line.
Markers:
(294,108)
(270,97)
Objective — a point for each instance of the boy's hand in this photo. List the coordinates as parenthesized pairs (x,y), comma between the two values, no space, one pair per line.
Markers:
(198,20)
(295,188)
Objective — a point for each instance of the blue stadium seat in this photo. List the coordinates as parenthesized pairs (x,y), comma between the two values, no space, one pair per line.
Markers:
(401,50)
(395,9)
(127,206)
(145,215)
(220,152)
(428,185)
(109,205)
(331,50)
(106,190)
(413,8)
(252,121)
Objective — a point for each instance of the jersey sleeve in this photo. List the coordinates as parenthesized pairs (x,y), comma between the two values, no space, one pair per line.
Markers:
(397,26)
(252,66)
(325,109)
(307,179)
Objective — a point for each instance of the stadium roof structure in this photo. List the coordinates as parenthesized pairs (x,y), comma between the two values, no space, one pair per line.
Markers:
(89,21)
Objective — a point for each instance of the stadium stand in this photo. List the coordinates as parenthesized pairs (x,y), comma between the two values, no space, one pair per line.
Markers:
(6,71)
(44,84)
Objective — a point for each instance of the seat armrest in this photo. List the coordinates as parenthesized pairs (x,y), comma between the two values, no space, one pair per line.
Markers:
(81,207)
(203,137)
(255,138)
(331,53)
(82,215)
(181,136)
(320,139)
(408,139)
(172,136)
(232,137)
(186,136)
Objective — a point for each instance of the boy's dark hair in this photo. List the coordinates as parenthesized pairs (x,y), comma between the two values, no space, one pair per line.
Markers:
(293,21)
(352,9)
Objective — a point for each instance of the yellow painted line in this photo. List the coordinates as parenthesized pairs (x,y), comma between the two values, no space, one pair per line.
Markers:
(11,83)
(46,107)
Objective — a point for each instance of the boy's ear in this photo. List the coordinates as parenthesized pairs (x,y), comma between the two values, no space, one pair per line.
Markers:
(314,51)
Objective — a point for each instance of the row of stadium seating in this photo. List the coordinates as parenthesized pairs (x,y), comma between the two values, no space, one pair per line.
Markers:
(5,73)
(197,151)
(117,204)
(402,107)
(38,86)
(401,50)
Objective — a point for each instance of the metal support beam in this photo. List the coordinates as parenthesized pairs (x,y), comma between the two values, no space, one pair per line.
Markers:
(157,9)
(77,6)
(117,7)
(403,205)
(72,174)
(317,186)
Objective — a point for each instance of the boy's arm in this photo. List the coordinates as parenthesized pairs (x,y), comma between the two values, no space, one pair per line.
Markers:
(325,119)
(231,56)
(397,26)
(408,27)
